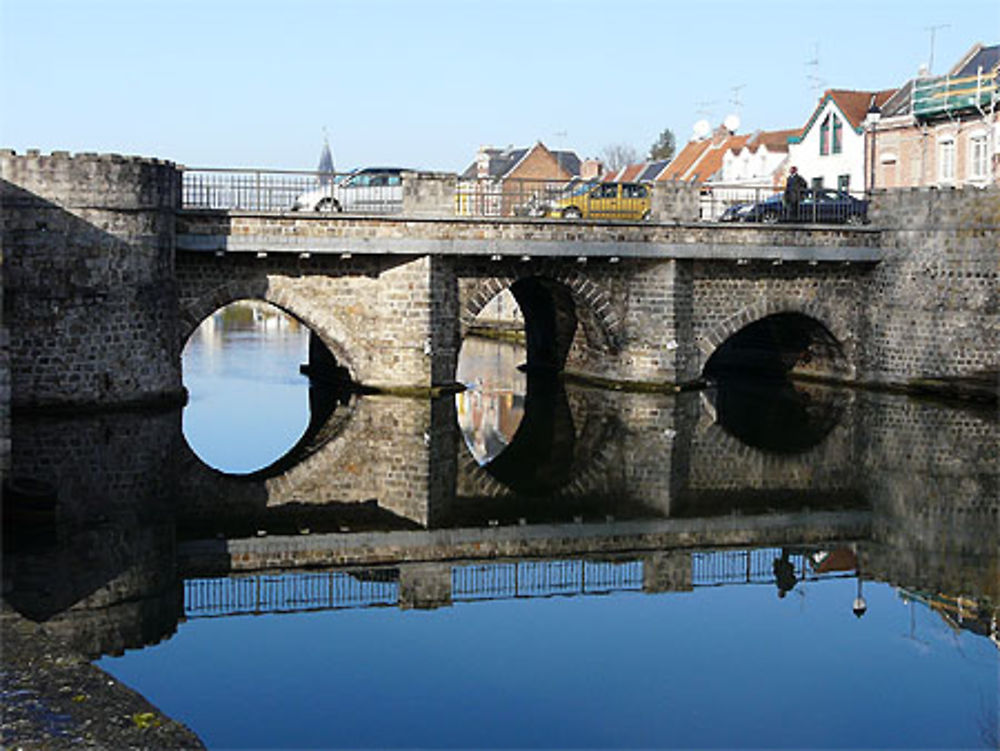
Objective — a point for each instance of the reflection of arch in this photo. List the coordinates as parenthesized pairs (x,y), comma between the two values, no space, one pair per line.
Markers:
(323,325)
(772,337)
(553,454)
(591,302)
(776,416)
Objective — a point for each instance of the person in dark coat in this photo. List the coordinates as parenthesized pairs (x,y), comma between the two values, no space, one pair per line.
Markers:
(795,188)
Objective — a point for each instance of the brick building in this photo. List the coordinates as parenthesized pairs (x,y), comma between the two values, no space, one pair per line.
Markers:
(941,131)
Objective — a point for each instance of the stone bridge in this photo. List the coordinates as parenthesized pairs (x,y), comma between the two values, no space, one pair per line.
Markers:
(391,298)
(106,275)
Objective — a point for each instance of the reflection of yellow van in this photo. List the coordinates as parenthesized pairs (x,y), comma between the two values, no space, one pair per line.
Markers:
(605,201)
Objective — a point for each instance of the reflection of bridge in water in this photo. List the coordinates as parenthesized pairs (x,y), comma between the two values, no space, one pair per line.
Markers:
(259,594)
(657,487)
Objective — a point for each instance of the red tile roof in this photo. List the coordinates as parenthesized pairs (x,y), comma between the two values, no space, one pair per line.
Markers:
(774,140)
(855,104)
(700,160)
(690,154)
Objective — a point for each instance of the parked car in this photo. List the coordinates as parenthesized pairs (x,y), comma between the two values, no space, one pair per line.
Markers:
(603,201)
(378,189)
(825,206)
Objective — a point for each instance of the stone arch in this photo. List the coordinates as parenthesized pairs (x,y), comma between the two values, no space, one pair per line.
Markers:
(830,319)
(326,327)
(593,301)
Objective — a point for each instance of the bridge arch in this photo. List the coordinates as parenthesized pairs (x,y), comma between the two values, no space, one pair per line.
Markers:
(822,334)
(334,336)
(578,302)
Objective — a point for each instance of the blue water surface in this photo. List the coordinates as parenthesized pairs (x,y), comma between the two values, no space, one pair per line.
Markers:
(717,667)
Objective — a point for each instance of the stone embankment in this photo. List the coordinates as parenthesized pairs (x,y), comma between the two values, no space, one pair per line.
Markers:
(55,698)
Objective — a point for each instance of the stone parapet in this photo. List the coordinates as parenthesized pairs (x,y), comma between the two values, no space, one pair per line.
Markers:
(429,194)
(674,202)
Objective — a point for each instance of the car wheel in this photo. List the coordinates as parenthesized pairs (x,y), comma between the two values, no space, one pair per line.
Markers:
(572,213)
(770,217)
(323,204)
(855,219)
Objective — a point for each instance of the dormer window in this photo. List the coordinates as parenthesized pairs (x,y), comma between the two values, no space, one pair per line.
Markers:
(838,135)
(824,136)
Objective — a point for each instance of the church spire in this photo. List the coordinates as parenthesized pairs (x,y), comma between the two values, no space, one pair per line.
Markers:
(325,167)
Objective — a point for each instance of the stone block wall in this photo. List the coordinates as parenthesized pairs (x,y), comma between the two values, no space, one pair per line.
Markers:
(726,297)
(90,297)
(674,202)
(376,314)
(933,477)
(933,307)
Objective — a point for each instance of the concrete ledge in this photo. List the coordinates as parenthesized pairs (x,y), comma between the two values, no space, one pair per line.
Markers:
(516,248)
(214,557)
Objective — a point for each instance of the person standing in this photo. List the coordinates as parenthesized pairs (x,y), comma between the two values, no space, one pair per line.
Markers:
(795,188)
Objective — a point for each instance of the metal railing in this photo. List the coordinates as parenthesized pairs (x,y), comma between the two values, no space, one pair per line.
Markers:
(554,199)
(769,205)
(288,190)
(381,192)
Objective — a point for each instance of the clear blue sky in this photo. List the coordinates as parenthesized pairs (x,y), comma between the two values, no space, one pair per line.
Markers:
(423,83)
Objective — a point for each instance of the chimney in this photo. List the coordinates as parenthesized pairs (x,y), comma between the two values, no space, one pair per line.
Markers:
(483,162)
(591,169)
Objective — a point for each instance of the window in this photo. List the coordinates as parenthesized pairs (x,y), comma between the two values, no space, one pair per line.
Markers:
(946,160)
(843,183)
(838,136)
(824,136)
(817,183)
(978,157)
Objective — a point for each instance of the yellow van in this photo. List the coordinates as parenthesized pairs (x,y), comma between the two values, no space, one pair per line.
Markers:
(629,201)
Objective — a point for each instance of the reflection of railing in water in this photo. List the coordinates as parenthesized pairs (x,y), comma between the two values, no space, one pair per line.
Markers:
(298,592)
(722,567)
(284,593)
(501,581)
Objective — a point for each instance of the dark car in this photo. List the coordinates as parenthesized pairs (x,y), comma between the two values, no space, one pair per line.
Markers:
(824,206)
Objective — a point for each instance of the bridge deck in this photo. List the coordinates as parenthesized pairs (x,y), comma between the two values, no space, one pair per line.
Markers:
(211,231)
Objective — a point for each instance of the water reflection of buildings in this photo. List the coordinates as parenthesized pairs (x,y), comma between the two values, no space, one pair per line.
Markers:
(492,406)
(959,613)
(245,315)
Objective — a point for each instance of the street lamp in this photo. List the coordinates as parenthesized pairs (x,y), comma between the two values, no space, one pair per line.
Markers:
(860,605)
(872,118)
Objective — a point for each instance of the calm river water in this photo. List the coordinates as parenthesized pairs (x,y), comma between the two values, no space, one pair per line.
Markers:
(750,566)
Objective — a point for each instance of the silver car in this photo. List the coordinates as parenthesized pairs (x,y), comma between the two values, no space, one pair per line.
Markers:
(372,189)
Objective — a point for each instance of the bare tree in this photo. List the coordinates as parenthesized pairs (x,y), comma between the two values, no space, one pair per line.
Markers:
(618,155)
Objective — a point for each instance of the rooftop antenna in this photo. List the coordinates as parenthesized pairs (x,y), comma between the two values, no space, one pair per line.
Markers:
(735,98)
(706,109)
(815,82)
(933,31)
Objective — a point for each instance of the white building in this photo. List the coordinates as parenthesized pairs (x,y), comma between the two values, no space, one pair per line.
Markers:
(830,151)
(760,161)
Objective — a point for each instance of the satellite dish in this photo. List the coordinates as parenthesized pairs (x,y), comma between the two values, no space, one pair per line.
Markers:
(702,128)
(732,122)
